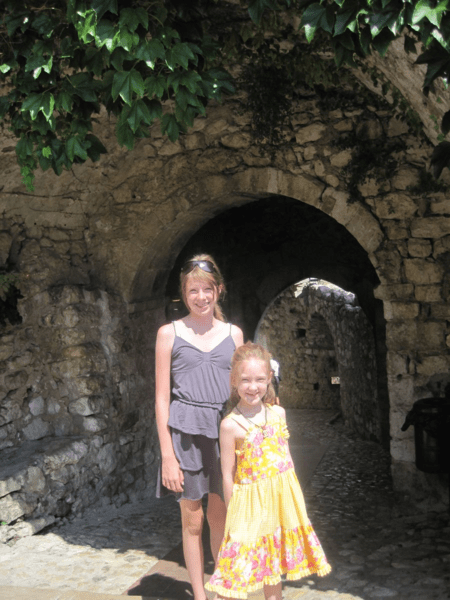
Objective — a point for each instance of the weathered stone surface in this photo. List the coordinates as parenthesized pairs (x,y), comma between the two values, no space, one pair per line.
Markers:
(430,227)
(311,133)
(428,293)
(400,310)
(11,508)
(37,406)
(419,248)
(341,159)
(37,429)
(423,272)
(396,291)
(5,246)
(430,365)
(395,206)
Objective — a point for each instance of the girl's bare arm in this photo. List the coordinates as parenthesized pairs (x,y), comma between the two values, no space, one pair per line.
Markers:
(172,476)
(228,457)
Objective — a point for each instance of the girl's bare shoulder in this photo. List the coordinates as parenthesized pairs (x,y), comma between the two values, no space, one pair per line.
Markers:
(166,334)
(237,335)
(278,410)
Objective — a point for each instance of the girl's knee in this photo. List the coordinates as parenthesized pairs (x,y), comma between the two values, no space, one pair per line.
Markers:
(192,520)
(216,512)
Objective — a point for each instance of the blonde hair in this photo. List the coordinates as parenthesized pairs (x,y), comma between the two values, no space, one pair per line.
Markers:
(215,279)
(246,352)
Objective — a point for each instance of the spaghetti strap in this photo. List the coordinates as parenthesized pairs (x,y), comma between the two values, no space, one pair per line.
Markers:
(174,328)
(230,327)
(236,421)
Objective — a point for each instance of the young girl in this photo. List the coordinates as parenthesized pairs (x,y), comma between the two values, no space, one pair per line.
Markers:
(193,358)
(267,531)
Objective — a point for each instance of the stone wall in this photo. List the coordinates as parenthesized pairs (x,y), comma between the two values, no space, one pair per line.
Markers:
(317,331)
(71,427)
(95,248)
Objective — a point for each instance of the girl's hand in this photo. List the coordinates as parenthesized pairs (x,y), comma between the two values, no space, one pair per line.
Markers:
(172,475)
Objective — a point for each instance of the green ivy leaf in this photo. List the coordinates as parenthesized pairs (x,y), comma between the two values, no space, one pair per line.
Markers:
(87,26)
(170,127)
(106,35)
(102,6)
(44,24)
(312,18)
(96,148)
(150,51)
(74,147)
(155,85)
(125,83)
(84,86)
(180,55)
(125,136)
(139,112)
(39,102)
(129,18)
(64,101)
(24,148)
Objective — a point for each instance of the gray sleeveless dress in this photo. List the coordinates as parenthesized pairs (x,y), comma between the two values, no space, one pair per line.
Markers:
(200,390)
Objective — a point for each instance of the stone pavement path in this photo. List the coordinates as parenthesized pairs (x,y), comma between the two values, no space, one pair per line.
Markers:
(377,549)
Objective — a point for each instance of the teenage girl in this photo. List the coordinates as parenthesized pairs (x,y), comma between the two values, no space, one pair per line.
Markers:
(267,531)
(193,357)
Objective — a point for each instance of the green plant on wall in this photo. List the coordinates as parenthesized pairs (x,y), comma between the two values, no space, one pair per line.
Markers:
(147,61)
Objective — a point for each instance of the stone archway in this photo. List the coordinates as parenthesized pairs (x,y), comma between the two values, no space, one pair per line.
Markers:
(318,331)
(269,244)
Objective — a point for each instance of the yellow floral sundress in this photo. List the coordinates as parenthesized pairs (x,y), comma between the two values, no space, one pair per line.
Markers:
(267,531)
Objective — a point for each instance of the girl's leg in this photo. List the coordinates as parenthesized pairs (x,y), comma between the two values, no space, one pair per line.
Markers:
(216,515)
(272,592)
(192,525)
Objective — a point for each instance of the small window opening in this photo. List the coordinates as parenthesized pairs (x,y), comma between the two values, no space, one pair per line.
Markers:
(300,333)
(316,386)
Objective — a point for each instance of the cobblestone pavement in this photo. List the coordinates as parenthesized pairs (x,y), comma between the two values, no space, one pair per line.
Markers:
(377,550)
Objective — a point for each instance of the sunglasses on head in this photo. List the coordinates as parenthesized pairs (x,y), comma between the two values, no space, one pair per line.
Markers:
(204,265)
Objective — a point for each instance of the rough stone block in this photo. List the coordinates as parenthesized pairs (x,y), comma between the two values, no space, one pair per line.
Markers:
(341,159)
(93,424)
(431,336)
(37,429)
(35,480)
(401,336)
(395,291)
(432,365)
(418,248)
(311,133)
(395,230)
(422,271)
(9,485)
(428,293)
(430,227)
(395,206)
(17,380)
(236,140)
(403,450)
(13,507)
(440,311)
(400,310)
(5,246)
(37,406)
(107,458)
